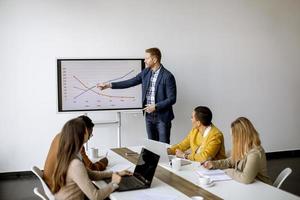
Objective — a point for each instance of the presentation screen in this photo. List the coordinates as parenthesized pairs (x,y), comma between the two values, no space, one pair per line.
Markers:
(78,79)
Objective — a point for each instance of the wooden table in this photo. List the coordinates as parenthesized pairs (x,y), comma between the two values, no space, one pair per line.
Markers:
(170,178)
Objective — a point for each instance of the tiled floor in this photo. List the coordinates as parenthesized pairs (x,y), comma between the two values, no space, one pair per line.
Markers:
(21,188)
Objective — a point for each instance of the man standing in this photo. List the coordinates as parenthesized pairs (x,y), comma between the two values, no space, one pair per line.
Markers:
(158,95)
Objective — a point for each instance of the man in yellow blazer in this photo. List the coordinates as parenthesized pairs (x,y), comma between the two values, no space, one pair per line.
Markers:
(204,142)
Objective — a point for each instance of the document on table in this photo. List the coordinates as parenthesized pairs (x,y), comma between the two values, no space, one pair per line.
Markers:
(215,174)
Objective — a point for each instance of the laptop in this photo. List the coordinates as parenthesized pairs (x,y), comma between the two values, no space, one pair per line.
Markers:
(143,173)
(160,148)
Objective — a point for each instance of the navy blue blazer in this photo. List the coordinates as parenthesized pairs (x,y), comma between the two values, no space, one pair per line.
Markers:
(165,91)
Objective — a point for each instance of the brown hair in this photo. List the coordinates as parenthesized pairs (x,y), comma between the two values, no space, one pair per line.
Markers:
(71,141)
(244,138)
(154,52)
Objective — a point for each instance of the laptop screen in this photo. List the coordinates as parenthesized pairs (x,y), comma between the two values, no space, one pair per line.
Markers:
(146,166)
(158,148)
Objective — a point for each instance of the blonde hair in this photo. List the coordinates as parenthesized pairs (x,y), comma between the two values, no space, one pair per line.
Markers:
(244,138)
(154,52)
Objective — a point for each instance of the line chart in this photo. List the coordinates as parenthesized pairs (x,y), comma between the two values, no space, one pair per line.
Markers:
(101,94)
(98,93)
(79,79)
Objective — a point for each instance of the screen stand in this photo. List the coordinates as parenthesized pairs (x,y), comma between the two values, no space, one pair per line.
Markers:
(119,128)
(118,121)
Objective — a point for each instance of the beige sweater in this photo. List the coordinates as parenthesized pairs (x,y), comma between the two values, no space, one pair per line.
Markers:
(52,157)
(253,165)
(78,183)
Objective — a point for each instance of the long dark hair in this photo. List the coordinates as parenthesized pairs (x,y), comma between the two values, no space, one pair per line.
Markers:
(71,140)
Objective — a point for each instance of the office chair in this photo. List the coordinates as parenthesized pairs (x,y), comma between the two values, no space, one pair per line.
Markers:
(40,194)
(47,191)
(282,176)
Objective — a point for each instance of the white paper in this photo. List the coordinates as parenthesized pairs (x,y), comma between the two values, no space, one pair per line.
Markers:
(120,167)
(215,175)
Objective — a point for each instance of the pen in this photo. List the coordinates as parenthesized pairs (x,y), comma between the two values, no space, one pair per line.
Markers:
(200,175)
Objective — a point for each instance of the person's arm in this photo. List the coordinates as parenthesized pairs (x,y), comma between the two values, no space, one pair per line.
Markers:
(78,173)
(122,84)
(99,165)
(210,149)
(96,175)
(221,164)
(171,94)
(250,170)
(183,145)
(128,83)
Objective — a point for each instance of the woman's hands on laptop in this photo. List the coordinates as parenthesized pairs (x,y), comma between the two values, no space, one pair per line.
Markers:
(124,173)
(115,178)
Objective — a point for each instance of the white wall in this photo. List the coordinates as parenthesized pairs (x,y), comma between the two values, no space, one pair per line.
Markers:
(241,58)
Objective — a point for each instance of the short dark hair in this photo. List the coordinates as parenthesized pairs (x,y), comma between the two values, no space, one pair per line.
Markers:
(154,52)
(203,114)
(88,122)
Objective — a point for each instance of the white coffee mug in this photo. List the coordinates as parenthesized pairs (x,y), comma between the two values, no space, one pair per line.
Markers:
(204,180)
(176,164)
(93,152)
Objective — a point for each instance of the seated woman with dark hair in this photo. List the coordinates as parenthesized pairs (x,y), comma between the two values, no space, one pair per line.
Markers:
(52,154)
(71,179)
(204,142)
(248,159)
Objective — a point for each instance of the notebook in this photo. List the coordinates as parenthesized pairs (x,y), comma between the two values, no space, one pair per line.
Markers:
(160,148)
(214,175)
(143,173)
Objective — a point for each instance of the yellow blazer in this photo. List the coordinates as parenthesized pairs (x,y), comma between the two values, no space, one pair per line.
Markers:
(202,148)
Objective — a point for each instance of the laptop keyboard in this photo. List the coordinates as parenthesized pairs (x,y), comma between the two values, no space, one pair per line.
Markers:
(130,182)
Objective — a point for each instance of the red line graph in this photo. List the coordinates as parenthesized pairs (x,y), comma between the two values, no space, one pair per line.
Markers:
(98,93)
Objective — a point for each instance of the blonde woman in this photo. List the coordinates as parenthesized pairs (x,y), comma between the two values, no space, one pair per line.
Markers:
(248,159)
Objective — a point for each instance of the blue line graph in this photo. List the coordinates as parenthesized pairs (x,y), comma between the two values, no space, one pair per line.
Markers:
(91,88)
(112,80)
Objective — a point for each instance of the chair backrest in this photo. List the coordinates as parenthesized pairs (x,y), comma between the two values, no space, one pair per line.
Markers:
(42,195)
(39,174)
(282,176)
